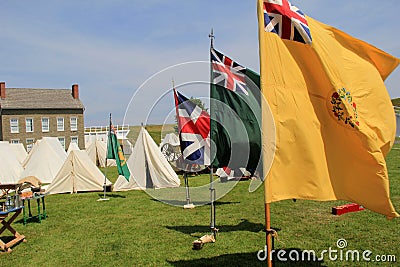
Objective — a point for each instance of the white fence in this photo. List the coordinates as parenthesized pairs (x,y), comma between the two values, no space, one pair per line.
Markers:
(101,132)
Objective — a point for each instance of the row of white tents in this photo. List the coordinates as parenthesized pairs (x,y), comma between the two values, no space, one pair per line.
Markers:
(148,167)
(76,170)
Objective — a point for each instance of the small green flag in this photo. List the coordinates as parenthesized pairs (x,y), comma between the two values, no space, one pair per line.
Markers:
(114,151)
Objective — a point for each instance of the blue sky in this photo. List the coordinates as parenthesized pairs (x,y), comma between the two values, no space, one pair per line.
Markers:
(110,48)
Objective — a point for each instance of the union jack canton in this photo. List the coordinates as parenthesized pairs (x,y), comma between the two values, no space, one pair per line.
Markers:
(194,131)
(286,20)
(227,73)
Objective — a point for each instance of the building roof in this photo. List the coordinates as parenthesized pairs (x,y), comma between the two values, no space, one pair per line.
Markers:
(27,98)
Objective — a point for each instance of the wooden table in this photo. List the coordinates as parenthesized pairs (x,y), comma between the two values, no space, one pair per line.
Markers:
(17,237)
(41,214)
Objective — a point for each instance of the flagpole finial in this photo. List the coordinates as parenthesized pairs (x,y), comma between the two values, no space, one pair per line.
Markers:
(212,37)
(173,83)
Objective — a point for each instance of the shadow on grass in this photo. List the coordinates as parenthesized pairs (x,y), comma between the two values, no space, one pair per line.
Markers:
(180,203)
(33,219)
(111,196)
(244,225)
(219,203)
(242,259)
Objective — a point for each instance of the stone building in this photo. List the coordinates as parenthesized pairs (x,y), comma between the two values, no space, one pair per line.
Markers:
(27,115)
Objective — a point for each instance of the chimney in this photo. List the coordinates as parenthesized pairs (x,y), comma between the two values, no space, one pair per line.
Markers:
(2,90)
(75,91)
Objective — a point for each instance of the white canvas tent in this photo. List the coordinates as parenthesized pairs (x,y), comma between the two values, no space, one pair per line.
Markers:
(127,147)
(72,146)
(19,151)
(10,168)
(45,160)
(30,153)
(148,167)
(232,173)
(97,151)
(78,174)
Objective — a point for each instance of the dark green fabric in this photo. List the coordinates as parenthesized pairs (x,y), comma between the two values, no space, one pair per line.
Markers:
(236,125)
(114,151)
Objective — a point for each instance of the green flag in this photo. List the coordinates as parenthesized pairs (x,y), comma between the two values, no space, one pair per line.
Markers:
(235,112)
(114,151)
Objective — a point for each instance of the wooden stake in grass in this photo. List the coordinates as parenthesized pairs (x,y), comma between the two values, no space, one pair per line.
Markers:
(198,244)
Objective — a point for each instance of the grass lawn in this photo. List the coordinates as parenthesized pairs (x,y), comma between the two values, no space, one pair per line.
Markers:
(156,132)
(132,229)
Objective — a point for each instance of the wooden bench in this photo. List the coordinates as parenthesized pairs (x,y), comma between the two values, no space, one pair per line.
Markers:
(17,237)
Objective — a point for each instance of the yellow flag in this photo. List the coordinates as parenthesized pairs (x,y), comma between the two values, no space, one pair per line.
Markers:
(333,116)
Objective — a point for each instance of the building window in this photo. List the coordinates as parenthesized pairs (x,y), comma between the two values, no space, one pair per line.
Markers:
(74,123)
(74,139)
(29,125)
(15,141)
(29,144)
(45,125)
(14,126)
(60,124)
(62,141)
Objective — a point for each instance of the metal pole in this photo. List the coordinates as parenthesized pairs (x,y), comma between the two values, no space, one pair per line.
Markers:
(105,167)
(187,188)
(212,189)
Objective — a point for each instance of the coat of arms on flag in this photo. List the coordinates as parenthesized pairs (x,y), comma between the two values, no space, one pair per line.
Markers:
(194,131)
(286,20)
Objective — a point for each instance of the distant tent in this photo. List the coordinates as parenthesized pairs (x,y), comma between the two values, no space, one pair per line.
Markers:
(171,139)
(78,174)
(72,146)
(230,173)
(19,151)
(97,153)
(126,147)
(10,168)
(148,167)
(30,153)
(225,172)
(45,160)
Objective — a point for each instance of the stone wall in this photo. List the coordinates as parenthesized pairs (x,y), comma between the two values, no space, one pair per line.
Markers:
(37,133)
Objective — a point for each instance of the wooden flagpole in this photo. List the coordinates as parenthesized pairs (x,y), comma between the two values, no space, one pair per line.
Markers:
(268,232)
